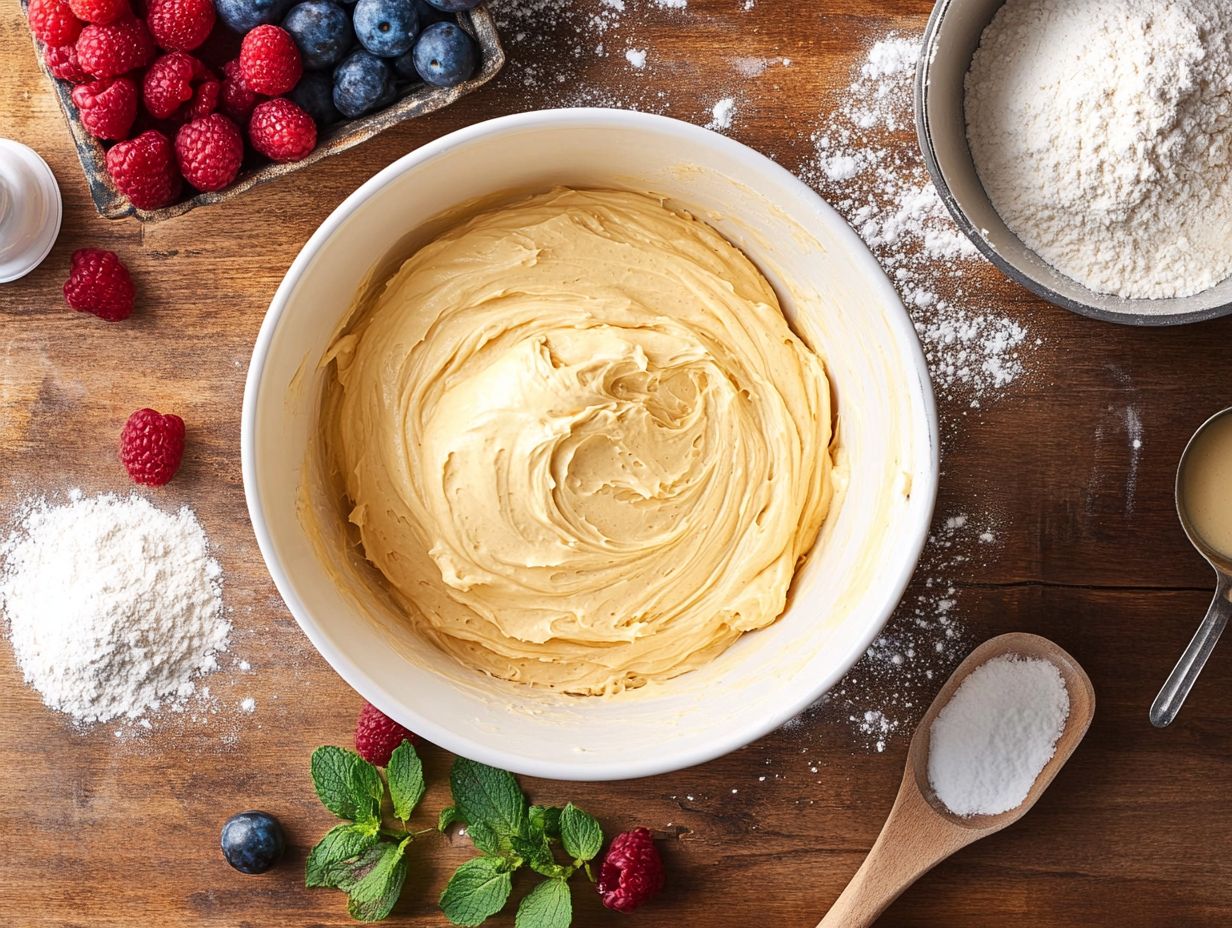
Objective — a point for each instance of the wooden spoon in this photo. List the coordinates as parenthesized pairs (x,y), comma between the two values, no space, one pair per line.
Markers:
(920,831)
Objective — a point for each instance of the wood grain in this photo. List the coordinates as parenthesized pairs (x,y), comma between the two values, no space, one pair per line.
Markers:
(110,832)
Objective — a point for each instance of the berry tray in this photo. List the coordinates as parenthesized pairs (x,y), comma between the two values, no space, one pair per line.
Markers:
(416,100)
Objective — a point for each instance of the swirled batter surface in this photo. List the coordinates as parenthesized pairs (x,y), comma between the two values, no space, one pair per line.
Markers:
(580,441)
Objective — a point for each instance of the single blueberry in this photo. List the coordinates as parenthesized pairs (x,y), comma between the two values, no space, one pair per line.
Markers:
(361,82)
(315,95)
(445,55)
(386,27)
(245,15)
(455,6)
(322,30)
(252,841)
(429,14)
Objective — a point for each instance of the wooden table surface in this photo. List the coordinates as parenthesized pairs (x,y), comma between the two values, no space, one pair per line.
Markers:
(100,830)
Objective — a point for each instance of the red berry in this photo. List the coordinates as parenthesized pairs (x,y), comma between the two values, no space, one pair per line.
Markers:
(151,446)
(61,61)
(205,98)
(116,48)
(108,107)
(376,735)
(282,131)
(169,83)
(143,169)
(632,871)
(209,151)
(181,25)
(53,22)
(269,61)
(100,12)
(237,100)
(98,283)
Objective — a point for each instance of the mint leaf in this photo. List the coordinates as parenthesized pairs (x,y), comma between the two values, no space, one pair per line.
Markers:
(340,843)
(546,820)
(485,838)
(580,833)
(477,889)
(485,794)
(374,895)
(346,784)
(448,816)
(548,905)
(347,874)
(406,779)
(367,790)
(535,851)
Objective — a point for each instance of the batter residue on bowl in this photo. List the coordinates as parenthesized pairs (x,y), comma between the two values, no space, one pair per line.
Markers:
(580,441)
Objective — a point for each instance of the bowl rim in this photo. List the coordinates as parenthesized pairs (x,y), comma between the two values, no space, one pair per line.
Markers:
(924,135)
(924,486)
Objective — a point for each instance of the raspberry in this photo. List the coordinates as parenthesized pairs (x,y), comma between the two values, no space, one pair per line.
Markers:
(632,871)
(98,283)
(205,98)
(376,735)
(168,84)
(53,22)
(180,25)
(209,151)
(143,169)
(107,108)
(151,447)
(61,61)
(99,12)
(282,131)
(237,100)
(116,48)
(269,61)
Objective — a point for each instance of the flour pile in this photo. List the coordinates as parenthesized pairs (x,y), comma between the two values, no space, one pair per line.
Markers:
(114,607)
(1102,132)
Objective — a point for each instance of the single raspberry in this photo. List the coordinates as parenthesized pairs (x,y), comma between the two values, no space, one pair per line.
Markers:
(53,22)
(209,151)
(237,100)
(61,61)
(180,25)
(98,283)
(205,98)
(632,871)
(108,107)
(282,131)
(144,170)
(151,446)
(99,12)
(376,735)
(269,60)
(116,48)
(169,83)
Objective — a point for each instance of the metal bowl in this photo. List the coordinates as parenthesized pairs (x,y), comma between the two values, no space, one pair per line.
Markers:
(953,34)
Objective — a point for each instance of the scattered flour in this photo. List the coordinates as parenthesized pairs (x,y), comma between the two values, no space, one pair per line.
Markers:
(114,607)
(248,704)
(636,57)
(721,115)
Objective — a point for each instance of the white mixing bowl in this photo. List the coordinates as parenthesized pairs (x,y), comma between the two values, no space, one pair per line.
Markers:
(836,297)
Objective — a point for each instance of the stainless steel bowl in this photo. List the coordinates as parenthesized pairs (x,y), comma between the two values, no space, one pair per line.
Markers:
(950,41)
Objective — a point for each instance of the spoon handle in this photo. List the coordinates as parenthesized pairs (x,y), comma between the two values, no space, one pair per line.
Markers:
(1185,674)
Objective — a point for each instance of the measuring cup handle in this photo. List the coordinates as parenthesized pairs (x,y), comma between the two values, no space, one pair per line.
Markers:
(1185,674)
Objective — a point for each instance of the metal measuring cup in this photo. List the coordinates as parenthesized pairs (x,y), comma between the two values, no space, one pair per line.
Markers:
(1185,674)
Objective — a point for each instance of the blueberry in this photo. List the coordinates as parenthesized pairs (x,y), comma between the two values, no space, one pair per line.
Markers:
(445,55)
(386,27)
(322,30)
(428,14)
(245,15)
(315,95)
(252,842)
(455,6)
(404,66)
(361,82)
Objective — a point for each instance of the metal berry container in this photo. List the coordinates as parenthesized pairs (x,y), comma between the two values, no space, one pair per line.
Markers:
(416,100)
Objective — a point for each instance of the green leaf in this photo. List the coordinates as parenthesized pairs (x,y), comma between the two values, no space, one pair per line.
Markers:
(406,779)
(485,839)
(477,889)
(347,874)
(548,905)
(448,816)
(348,785)
(485,794)
(580,833)
(374,894)
(535,850)
(340,843)
(546,819)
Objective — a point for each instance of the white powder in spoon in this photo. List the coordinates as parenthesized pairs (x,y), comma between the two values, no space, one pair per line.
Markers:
(994,736)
